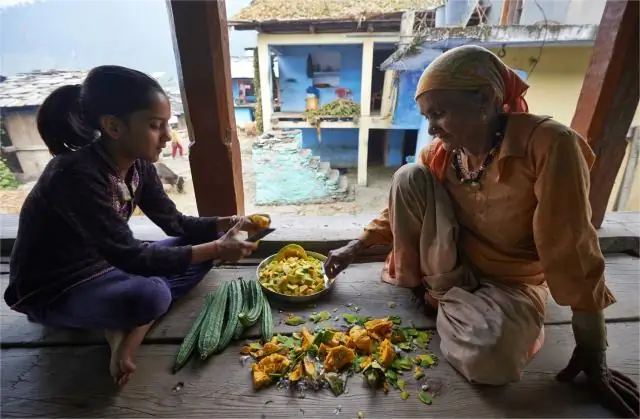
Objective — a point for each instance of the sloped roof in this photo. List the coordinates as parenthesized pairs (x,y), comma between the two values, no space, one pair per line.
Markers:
(241,67)
(294,10)
(31,89)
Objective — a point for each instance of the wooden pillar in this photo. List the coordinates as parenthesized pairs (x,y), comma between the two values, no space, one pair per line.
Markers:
(201,44)
(609,98)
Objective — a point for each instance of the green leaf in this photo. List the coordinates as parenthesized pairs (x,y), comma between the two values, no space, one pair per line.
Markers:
(422,339)
(397,336)
(403,363)
(401,384)
(404,395)
(395,319)
(425,360)
(320,317)
(425,398)
(405,346)
(391,375)
(336,383)
(353,319)
(294,321)
(410,331)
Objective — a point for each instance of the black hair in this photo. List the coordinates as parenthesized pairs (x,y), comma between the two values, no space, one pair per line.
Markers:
(69,118)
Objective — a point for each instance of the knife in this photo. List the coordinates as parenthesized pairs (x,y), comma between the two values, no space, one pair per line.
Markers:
(253,239)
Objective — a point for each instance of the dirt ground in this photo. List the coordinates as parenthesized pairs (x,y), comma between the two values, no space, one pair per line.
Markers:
(367,199)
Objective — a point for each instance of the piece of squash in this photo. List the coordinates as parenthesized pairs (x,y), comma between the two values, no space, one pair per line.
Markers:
(290,251)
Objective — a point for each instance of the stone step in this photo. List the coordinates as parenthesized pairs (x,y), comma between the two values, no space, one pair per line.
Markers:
(334,177)
(343,184)
(324,169)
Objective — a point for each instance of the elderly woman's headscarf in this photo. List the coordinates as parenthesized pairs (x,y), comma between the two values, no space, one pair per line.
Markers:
(470,68)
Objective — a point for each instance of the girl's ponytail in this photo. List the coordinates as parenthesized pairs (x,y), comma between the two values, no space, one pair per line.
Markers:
(59,121)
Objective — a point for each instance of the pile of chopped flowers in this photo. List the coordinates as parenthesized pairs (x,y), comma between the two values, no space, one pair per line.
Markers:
(378,349)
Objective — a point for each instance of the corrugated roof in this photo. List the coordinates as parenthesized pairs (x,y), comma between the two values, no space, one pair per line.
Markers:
(30,89)
(292,10)
(241,67)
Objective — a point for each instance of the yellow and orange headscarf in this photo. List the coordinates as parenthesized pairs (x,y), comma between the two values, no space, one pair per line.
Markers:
(469,68)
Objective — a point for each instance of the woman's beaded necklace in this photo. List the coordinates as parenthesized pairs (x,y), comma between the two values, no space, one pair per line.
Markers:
(473,178)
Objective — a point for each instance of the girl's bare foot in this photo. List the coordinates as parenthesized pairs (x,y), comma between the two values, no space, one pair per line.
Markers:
(119,368)
(124,347)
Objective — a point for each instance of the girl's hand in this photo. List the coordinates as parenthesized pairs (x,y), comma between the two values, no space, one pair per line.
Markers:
(229,249)
(254,223)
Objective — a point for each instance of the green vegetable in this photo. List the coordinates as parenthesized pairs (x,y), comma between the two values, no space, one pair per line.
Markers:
(191,339)
(404,395)
(266,320)
(395,319)
(254,304)
(234,301)
(245,303)
(337,108)
(212,324)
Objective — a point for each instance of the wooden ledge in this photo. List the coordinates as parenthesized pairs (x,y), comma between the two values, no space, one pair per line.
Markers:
(620,233)
(359,289)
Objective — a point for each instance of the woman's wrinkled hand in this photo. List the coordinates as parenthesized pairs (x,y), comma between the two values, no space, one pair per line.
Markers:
(230,249)
(339,259)
(613,389)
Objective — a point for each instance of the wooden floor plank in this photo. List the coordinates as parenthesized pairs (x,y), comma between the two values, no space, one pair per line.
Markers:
(359,286)
(73,382)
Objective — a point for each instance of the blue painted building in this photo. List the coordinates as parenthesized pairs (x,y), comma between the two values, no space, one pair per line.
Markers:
(357,58)
(244,95)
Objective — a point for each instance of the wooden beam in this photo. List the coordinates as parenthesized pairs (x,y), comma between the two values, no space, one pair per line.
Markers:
(201,44)
(609,98)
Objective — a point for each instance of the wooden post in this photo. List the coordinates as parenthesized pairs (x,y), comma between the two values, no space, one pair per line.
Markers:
(609,98)
(201,44)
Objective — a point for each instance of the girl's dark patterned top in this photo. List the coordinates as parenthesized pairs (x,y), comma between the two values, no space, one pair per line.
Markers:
(74,225)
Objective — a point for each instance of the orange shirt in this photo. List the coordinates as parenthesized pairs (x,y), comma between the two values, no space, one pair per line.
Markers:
(530,221)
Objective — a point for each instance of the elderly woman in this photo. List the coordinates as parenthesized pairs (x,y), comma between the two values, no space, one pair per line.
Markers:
(480,223)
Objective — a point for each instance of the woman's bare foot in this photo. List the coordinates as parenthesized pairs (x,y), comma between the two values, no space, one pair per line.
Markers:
(124,346)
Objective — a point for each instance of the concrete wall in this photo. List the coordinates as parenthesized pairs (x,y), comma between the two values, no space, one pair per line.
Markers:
(339,146)
(570,12)
(292,62)
(556,81)
(406,114)
(31,151)
(243,116)
(394,150)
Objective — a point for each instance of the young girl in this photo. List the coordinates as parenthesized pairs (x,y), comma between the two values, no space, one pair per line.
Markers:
(75,262)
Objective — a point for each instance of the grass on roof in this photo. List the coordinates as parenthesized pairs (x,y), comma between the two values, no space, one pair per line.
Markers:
(291,10)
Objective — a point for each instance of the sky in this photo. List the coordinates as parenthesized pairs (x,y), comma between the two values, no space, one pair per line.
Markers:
(81,34)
